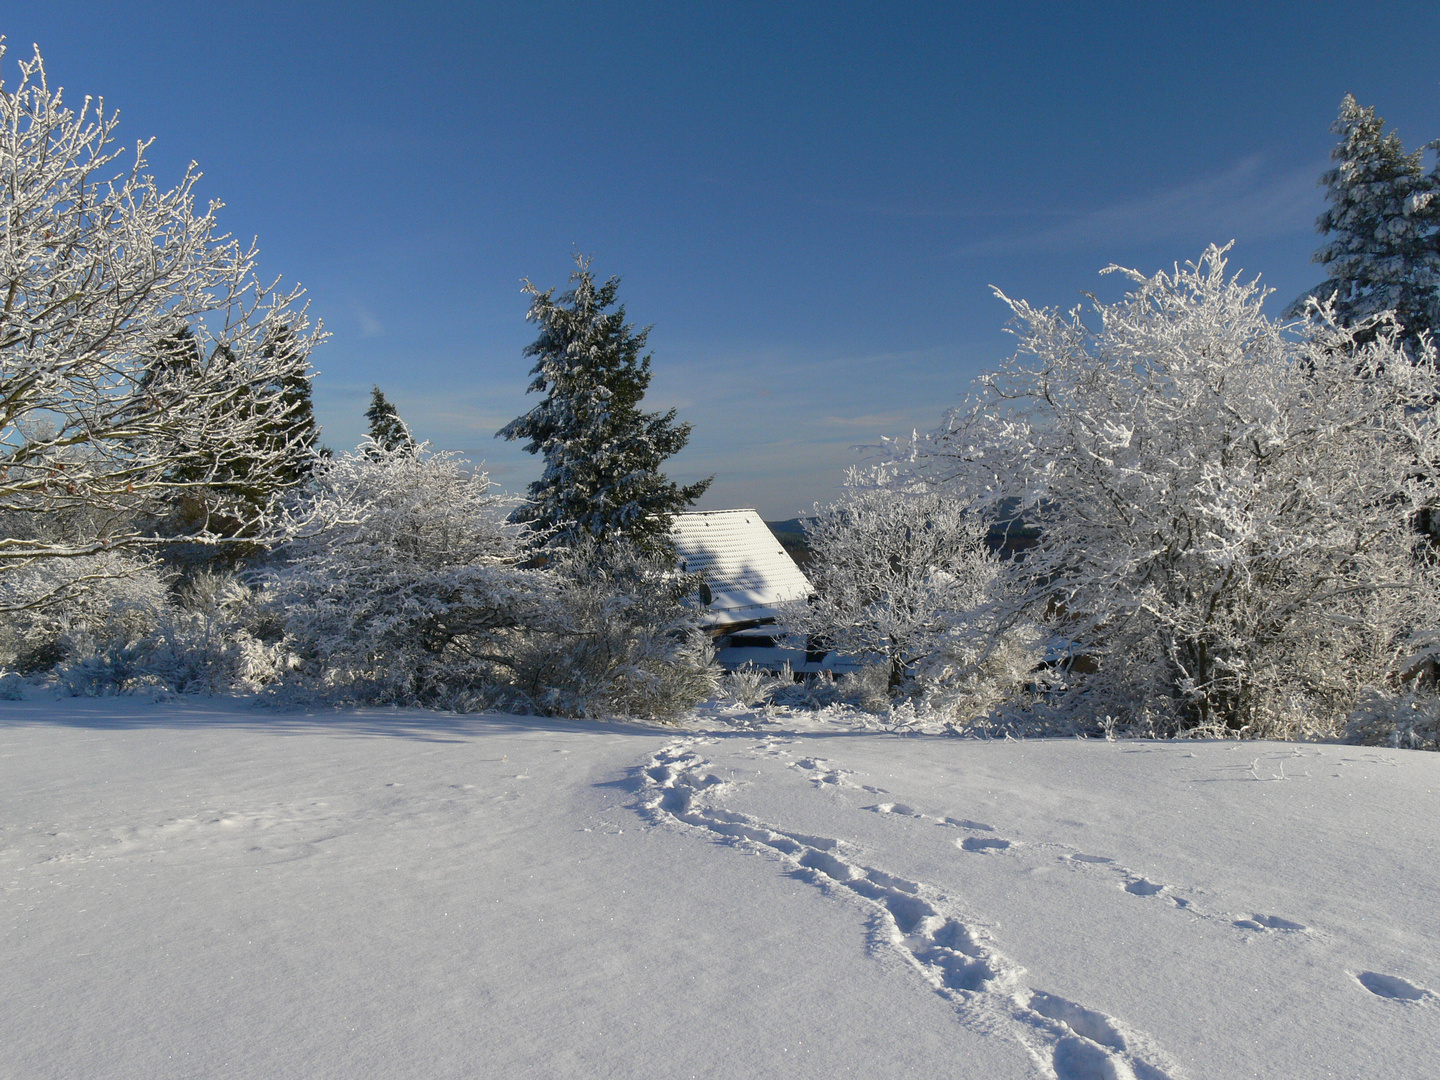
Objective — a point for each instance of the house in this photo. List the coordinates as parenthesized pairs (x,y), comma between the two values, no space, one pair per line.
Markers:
(746,575)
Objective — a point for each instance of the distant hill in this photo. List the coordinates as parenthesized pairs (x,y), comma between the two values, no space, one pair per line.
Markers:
(791,534)
(1009,537)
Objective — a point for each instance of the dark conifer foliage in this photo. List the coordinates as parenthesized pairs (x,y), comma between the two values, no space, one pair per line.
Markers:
(386,427)
(602,452)
(223,490)
(1382,228)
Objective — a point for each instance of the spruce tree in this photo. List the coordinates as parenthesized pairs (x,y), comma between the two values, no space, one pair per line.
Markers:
(602,453)
(386,428)
(1383,228)
(227,497)
(292,429)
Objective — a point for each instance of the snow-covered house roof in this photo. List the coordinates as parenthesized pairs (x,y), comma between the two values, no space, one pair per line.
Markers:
(744,566)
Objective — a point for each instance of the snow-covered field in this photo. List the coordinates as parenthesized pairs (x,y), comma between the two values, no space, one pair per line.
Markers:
(201,890)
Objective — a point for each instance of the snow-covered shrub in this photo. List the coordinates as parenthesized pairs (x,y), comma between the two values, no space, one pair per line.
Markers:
(868,688)
(403,577)
(1407,721)
(216,636)
(128,630)
(1226,504)
(902,575)
(55,609)
(813,690)
(619,638)
(747,685)
(983,669)
(893,572)
(111,623)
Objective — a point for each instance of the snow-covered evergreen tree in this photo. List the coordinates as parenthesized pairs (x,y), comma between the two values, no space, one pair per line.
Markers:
(1224,501)
(1382,227)
(387,430)
(602,453)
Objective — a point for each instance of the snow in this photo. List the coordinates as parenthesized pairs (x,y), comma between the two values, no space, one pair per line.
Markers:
(195,888)
(749,574)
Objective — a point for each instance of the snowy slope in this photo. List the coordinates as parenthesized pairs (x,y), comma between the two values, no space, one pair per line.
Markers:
(196,890)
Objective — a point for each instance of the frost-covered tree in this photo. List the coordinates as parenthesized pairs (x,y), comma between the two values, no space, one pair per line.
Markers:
(619,637)
(1382,226)
(227,490)
(98,267)
(387,430)
(408,585)
(402,574)
(895,574)
(602,453)
(1223,500)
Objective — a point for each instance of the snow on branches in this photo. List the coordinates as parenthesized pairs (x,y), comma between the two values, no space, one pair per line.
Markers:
(893,572)
(602,452)
(1226,504)
(402,574)
(101,272)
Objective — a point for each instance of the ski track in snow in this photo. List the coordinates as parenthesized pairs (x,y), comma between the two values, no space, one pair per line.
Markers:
(958,958)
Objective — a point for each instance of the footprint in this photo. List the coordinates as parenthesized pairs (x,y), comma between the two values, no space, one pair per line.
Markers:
(1089,858)
(1080,1059)
(828,865)
(982,843)
(894,808)
(1392,987)
(1142,887)
(821,774)
(1097,1027)
(1269,922)
(901,809)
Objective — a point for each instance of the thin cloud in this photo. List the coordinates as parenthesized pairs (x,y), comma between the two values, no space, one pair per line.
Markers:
(886,421)
(1244,201)
(370,326)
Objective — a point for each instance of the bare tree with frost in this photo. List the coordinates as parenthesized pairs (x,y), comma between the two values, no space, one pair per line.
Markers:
(1223,500)
(894,573)
(99,269)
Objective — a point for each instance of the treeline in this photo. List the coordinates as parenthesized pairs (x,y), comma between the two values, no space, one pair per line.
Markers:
(1234,518)
(169,519)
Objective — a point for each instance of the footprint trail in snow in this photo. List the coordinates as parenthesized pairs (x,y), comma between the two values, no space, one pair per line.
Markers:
(1128,880)
(1066,1040)
(1391,988)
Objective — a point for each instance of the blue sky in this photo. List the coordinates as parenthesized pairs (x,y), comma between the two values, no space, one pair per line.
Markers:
(808,202)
